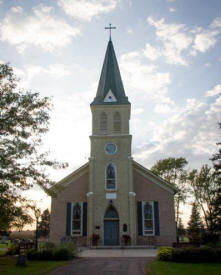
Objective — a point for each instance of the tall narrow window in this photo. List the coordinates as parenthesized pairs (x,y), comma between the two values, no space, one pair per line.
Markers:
(148,218)
(76,219)
(110,176)
(117,122)
(103,122)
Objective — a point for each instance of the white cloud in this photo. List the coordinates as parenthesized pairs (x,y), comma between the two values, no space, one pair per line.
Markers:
(205,40)
(152,83)
(216,23)
(40,29)
(87,9)
(172,9)
(192,132)
(129,30)
(151,52)
(215,91)
(174,39)
(179,42)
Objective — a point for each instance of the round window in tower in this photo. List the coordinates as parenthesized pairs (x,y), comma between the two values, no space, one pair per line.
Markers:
(110,148)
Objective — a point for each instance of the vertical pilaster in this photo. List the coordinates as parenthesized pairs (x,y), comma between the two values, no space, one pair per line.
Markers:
(90,201)
(132,214)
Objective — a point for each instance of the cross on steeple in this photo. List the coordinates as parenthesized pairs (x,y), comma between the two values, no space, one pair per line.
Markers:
(110,28)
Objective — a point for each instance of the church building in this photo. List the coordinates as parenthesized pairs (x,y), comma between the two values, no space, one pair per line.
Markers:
(112,200)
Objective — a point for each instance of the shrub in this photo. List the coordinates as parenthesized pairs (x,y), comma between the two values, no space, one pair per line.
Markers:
(164,253)
(33,255)
(196,255)
(48,245)
(46,255)
(62,254)
(13,250)
(210,238)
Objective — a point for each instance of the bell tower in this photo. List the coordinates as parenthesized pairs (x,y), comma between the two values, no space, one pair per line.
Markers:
(111,198)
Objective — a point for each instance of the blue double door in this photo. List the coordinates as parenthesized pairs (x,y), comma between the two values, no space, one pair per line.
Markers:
(111,232)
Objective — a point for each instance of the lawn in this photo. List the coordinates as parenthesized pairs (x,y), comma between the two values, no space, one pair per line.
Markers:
(169,268)
(8,267)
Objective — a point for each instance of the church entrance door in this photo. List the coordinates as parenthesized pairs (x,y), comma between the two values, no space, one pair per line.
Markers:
(111,227)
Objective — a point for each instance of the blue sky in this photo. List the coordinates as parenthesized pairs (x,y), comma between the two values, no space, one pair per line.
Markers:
(169,57)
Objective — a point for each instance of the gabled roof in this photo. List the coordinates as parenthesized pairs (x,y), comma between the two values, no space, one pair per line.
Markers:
(154,178)
(74,175)
(110,80)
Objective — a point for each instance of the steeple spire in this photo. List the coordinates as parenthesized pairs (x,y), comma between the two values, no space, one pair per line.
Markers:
(110,88)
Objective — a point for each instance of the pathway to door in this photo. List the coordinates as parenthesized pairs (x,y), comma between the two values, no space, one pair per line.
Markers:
(108,262)
(105,266)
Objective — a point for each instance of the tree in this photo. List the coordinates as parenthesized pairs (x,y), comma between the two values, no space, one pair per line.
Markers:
(44,224)
(172,170)
(203,188)
(195,225)
(217,201)
(180,228)
(24,117)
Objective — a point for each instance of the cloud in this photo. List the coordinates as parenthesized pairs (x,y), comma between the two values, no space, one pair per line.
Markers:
(172,9)
(192,132)
(40,29)
(151,52)
(178,42)
(205,40)
(215,91)
(87,9)
(174,38)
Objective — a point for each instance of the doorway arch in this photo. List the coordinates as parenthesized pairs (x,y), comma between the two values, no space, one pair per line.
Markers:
(111,227)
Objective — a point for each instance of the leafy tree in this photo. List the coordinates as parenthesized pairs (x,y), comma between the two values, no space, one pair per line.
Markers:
(203,188)
(44,224)
(172,170)
(24,117)
(217,201)
(195,225)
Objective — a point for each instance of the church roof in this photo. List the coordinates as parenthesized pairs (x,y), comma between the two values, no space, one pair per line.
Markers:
(110,81)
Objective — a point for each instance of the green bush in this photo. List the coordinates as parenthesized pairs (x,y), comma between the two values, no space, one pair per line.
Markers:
(47,245)
(33,255)
(13,250)
(164,253)
(196,255)
(46,255)
(62,254)
(71,247)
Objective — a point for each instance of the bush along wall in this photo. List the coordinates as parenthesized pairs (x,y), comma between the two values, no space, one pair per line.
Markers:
(189,255)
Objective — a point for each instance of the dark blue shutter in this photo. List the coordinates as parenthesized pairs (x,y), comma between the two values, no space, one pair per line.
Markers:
(139,218)
(84,219)
(156,219)
(68,219)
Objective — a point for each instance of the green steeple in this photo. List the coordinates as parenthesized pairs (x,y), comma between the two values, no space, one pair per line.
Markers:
(110,88)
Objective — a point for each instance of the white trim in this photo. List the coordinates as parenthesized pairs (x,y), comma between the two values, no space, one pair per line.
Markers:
(90,194)
(105,173)
(132,194)
(152,203)
(72,206)
(110,94)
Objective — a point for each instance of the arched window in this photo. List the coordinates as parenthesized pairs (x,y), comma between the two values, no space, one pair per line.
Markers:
(148,218)
(110,176)
(117,122)
(103,121)
(76,219)
(111,213)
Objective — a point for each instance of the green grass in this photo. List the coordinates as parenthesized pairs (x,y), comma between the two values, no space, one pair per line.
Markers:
(169,268)
(8,267)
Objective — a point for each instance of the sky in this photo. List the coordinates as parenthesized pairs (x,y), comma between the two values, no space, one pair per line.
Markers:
(170,61)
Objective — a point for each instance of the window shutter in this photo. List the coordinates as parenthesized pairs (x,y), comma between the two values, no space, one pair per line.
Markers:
(68,219)
(156,219)
(84,219)
(139,218)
